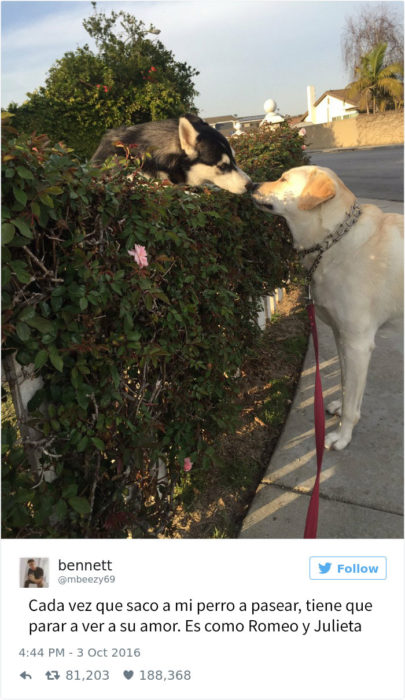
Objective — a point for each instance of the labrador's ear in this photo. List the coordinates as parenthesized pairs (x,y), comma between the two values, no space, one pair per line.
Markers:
(319,188)
(188,137)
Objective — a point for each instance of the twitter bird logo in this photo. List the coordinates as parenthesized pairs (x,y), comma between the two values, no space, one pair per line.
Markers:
(324,568)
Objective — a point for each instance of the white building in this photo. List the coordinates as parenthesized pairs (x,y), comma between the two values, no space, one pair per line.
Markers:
(331,106)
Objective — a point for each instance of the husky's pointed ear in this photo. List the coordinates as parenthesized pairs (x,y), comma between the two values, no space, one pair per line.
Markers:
(188,137)
(319,188)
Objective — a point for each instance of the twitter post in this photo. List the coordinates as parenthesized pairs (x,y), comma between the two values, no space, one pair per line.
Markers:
(202,350)
(201,620)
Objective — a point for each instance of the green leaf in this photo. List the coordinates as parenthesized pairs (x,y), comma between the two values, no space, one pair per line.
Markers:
(35,208)
(56,303)
(49,338)
(8,436)
(23,331)
(21,271)
(54,190)
(83,401)
(23,228)
(5,276)
(162,296)
(20,195)
(26,313)
(117,288)
(25,173)
(46,199)
(23,496)
(40,359)
(133,335)
(98,443)
(23,357)
(43,217)
(60,509)
(42,324)
(69,491)
(80,505)
(83,444)
(75,377)
(7,233)
(55,358)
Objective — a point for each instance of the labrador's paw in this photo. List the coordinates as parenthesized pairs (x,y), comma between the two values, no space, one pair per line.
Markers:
(337,440)
(335,408)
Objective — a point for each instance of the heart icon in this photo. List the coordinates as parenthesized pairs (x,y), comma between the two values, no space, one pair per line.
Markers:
(128,674)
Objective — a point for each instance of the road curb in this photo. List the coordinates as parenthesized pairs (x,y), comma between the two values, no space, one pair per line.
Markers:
(342,149)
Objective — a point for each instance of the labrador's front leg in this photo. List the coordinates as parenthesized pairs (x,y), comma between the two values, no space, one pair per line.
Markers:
(355,353)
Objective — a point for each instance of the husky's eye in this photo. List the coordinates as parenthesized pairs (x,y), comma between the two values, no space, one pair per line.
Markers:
(224,167)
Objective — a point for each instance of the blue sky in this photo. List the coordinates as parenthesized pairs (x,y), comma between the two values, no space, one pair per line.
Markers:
(246,50)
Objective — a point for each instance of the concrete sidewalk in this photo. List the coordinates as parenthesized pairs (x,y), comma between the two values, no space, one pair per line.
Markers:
(361,493)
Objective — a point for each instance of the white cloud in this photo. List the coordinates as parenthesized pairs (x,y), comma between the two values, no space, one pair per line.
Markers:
(54,31)
(29,51)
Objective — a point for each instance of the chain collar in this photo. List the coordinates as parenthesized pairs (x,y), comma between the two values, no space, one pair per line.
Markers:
(332,238)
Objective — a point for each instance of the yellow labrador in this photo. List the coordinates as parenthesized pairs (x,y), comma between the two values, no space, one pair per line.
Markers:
(354,258)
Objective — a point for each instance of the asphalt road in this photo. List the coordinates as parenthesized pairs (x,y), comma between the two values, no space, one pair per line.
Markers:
(374,173)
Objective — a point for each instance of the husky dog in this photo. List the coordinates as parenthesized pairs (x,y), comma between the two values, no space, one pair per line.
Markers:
(186,151)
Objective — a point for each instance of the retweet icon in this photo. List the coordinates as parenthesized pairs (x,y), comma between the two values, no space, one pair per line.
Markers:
(324,568)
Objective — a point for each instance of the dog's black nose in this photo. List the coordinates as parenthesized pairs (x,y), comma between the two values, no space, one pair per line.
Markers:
(253,187)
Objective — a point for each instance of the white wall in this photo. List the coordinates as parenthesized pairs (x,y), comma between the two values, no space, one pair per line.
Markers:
(330,108)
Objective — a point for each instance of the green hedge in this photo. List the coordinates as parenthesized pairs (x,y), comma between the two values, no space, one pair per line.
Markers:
(138,363)
(266,153)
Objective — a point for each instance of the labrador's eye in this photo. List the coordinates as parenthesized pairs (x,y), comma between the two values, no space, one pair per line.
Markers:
(283,179)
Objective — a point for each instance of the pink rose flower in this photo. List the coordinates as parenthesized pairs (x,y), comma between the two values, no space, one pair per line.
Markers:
(302,132)
(304,148)
(187,464)
(140,255)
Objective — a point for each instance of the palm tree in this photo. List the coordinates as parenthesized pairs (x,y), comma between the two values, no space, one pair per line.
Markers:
(376,82)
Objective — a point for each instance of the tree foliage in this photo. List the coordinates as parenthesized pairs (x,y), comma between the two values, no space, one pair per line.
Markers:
(129,79)
(375,24)
(377,84)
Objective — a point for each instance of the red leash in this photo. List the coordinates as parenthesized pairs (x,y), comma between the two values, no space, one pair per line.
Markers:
(311,524)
